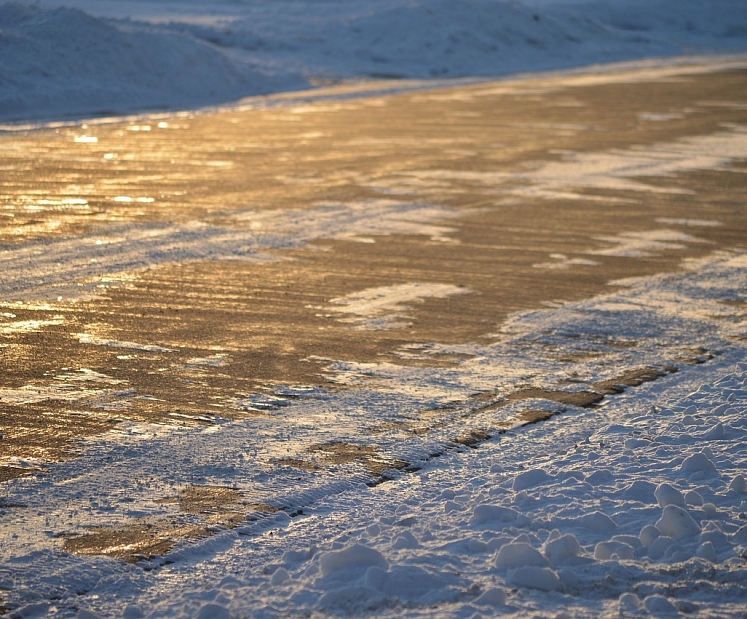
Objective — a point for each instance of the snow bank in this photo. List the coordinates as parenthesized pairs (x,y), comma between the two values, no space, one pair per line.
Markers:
(437,38)
(122,55)
(65,62)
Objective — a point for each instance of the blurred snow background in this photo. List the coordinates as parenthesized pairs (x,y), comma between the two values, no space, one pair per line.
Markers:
(92,57)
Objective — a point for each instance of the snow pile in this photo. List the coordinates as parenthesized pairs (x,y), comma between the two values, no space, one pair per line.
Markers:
(122,55)
(437,38)
(65,61)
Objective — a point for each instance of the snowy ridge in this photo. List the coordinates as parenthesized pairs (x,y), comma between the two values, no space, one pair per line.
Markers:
(120,55)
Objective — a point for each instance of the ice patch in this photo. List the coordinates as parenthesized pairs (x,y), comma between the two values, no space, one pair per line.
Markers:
(31,394)
(696,223)
(561,261)
(29,326)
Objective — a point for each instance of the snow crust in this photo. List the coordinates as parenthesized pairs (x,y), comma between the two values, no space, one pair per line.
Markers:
(86,57)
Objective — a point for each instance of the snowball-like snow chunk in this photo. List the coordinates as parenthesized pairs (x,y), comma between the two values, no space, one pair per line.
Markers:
(668,495)
(716,433)
(648,534)
(629,601)
(710,510)
(600,476)
(631,540)
(698,462)
(405,540)
(707,551)
(492,597)
(519,555)
(486,513)
(597,521)
(738,484)
(213,611)
(693,498)
(658,547)
(527,479)
(659,605)
(451,506)
(675,522)
(299,556)
(562,548)
(605,551)
(640,490)
(533,577)
(568,578)
(280,576)
(717,537)
(351,557)
(685,607)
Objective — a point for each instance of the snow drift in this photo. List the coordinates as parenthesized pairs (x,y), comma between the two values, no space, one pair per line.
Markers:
(127,56)
(64,61)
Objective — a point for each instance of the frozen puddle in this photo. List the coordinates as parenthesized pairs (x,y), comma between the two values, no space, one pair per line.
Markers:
(386,307)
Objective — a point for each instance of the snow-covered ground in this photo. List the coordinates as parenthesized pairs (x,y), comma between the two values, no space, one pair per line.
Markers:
(94,57)
(635,507)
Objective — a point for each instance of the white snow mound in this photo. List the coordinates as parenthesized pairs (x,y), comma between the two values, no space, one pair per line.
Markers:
(65,62)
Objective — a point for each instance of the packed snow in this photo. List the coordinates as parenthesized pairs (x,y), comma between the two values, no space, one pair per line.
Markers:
(83,57)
